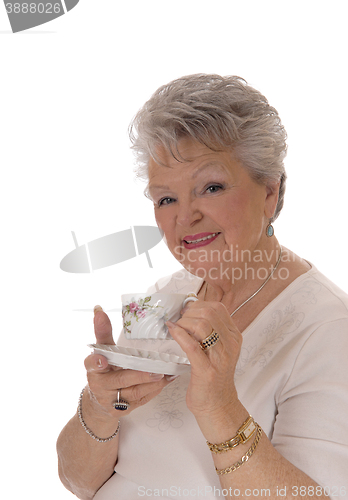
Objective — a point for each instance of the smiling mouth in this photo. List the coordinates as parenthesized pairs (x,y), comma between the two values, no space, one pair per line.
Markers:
(201,239)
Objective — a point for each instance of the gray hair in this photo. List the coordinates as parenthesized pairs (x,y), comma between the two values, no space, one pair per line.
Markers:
(219,112)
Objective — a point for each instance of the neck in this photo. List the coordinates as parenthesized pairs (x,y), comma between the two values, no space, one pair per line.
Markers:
(248,273)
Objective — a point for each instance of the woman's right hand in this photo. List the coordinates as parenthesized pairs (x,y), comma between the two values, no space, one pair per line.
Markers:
(104,380)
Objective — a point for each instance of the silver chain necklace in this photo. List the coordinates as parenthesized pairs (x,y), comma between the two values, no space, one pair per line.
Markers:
(257,291)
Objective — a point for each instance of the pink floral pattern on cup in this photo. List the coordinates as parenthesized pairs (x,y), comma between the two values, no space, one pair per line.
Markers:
(137,310)
(144,316)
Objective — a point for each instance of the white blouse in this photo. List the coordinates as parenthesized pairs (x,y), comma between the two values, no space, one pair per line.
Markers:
(292,377)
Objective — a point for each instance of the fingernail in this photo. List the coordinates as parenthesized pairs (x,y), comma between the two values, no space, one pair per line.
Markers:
(169,378)
(98,308)
(100,363)
(156,376)
(170,323)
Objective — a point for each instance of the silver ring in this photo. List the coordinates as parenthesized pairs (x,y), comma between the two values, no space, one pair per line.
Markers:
(210,341)
(120,404)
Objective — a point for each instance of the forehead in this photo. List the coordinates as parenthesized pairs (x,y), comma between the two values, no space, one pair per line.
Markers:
(186,150)
(191,157)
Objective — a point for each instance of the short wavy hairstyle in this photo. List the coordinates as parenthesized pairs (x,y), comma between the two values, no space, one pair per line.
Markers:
(221,112)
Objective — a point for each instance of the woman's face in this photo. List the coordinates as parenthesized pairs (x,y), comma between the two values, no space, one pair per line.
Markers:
(209,207)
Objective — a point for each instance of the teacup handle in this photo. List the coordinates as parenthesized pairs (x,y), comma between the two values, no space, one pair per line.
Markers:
(191,297)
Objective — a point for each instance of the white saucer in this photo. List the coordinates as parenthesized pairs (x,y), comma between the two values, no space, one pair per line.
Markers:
(145,361)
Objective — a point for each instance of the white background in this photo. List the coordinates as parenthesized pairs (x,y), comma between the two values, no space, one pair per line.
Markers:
(68,90)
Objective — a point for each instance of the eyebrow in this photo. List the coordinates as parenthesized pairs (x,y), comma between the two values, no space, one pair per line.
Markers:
(194,175)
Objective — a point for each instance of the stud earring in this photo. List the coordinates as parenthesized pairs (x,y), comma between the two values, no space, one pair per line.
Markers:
(269,230)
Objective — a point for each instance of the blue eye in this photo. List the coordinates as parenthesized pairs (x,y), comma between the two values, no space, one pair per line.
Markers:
(165,201)
(214,188)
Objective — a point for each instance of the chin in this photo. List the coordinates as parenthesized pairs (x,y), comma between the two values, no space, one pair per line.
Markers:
(200,272)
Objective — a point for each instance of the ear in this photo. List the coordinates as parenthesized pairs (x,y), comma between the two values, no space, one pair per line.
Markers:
(272,195)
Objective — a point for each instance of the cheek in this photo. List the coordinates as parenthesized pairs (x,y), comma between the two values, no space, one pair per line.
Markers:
(240,218)
(160,220)
(246,206)
(166,225)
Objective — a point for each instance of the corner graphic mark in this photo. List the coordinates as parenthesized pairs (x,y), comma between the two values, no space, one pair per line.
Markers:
(26,15)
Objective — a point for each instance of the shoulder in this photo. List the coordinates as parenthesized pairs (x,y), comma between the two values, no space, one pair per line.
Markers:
(306,324)
(316,323)
(325,299)
(180,282)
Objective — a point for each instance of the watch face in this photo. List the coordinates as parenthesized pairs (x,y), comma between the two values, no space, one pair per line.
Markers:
(249,430)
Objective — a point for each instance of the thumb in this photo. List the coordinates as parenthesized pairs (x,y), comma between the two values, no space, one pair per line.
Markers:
(102,327)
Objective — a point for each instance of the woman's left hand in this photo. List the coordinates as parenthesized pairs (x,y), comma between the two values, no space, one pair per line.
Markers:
(211,391)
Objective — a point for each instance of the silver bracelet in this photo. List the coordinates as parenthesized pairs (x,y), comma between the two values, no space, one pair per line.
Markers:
(89,432)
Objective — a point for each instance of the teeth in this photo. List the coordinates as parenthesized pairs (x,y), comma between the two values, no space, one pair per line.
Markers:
(202,239)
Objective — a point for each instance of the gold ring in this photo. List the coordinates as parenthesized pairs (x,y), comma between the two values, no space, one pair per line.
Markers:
(210,341)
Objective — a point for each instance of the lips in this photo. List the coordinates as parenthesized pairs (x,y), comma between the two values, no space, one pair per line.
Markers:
(199,240)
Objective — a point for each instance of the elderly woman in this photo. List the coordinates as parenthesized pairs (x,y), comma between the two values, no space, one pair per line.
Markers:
(263,410)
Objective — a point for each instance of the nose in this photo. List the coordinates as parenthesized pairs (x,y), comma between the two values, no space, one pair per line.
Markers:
(188,214)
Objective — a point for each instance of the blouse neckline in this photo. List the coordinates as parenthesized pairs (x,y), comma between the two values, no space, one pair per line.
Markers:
(313,270)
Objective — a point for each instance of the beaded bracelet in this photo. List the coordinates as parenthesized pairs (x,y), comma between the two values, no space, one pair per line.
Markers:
(244,458)
(89,432)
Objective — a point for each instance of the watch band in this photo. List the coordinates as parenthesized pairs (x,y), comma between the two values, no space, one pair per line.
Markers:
(244,433)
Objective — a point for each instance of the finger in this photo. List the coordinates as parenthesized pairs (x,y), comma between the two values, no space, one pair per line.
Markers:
(190,346)
(128,378)
(136,396)
(212,316)
(139,393)
(198,327)
(99,364)
(102,327)
(96,364)
(105,387)
(153,393)
(200,321)
(196,308)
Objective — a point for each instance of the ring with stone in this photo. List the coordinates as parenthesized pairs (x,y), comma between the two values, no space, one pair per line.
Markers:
(210,341)
(121,404)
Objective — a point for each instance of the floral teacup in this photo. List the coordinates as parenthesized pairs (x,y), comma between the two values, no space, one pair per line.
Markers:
(144,315)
